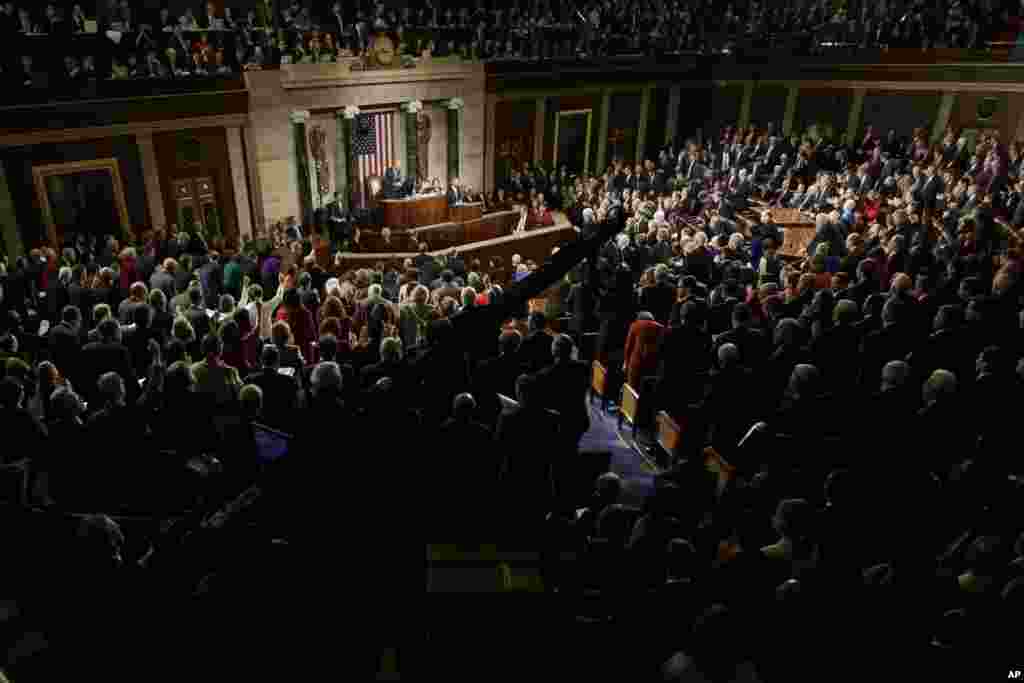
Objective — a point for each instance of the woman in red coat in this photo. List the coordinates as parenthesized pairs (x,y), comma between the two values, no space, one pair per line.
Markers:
(642,345)
(129,269)
(300,320)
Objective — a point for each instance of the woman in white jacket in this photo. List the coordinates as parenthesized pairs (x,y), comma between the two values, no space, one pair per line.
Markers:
(261,312)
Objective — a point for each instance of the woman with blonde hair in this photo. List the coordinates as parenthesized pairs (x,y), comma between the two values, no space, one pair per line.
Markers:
(260,312)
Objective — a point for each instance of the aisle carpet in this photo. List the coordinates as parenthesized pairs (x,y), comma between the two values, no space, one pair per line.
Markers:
(636,472)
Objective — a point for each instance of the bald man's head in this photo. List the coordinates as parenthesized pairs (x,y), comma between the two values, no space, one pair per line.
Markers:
(895,374)
(728,355)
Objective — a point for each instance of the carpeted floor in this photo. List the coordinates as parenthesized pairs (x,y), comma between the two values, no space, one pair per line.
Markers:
(636,472)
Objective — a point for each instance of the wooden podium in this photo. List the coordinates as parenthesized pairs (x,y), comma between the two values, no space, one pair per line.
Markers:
(461,213)
(798,229)
(415,211)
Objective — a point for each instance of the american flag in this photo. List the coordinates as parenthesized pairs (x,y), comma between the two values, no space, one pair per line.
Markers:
(373,147)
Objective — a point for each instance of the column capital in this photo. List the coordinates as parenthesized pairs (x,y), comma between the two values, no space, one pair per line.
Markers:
(412,107)
(300,115)
(350,112)
(455,103)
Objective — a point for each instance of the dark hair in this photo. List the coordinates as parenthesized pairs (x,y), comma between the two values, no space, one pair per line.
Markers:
(230,334)
(108,328)
(291,299)
(270,356)
(195,296)
(142,316)
(509,342)
(11,392)
(328,347)
(70,314)
(212,345)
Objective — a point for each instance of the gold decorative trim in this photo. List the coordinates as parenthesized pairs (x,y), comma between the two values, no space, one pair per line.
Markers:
(41,173)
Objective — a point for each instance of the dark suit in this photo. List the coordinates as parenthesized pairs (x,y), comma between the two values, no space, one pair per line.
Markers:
(563,387)
(99,358)
(527,439)
(892,342)
(65,345)
(280,398)
(753,344)
(454,195)
(535,351)
(496,376)
(463,482)
(658,300)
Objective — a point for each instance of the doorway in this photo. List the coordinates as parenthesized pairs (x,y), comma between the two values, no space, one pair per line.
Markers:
(197,206)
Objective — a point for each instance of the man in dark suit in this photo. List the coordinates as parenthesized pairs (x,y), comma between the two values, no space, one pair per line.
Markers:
(535,350)
(931,189)
(753,345)
(280,392)
(728,404)
(464,481)
(196,313)
(528,439)
(498,375)
(107,355)
(659,298)
(455,195)
(893,342)
(563,388)
(65,342)
(211,276)
(426,265)
(391,364)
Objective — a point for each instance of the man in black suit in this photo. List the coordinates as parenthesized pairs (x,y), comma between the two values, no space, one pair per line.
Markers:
(894,341)
(391,364)
(465,481)
(728,403)
(196,313)
(528,439)
(659,298)
(107,355)
(563,388)
(426,265)
(753,345)
(535,350)
(65,342)
(280,392)
(455,194)
(498,375)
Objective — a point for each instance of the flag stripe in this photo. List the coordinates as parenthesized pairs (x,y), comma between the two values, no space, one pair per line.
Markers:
(377,152)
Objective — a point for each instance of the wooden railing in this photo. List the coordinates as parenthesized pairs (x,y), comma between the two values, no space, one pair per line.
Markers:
(444,235)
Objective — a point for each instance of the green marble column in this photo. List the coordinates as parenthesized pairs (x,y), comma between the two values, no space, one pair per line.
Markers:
(299,119)
(412,145)
(454,138)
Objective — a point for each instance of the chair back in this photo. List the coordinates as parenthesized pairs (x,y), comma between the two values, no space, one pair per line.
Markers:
(598,378)
(630,404)
(14,482)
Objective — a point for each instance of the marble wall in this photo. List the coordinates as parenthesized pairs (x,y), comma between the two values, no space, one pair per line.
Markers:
(437,154)
(324,89)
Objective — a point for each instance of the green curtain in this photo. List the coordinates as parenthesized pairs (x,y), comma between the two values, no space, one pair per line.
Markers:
(341,161)
(302,168)
(453,144)
(412,148)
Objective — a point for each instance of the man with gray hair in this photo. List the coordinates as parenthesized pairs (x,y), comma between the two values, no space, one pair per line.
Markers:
(564,386)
